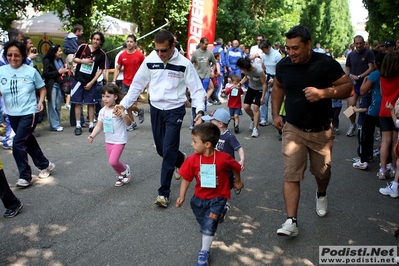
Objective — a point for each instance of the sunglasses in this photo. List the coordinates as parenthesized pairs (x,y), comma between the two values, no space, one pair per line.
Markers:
(259,39)
(161,50)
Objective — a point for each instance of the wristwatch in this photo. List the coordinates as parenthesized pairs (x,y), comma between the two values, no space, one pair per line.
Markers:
(201,113)
(359,77)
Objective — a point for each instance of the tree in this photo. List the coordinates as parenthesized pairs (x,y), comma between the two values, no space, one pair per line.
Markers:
(13,10)
(329,22)
(383,22)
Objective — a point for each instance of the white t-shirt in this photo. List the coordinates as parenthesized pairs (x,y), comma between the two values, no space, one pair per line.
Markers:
(120,76)
(113,126)
(256,50)
(270,61)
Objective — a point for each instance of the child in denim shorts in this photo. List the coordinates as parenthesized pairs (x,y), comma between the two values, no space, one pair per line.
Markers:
(210,169)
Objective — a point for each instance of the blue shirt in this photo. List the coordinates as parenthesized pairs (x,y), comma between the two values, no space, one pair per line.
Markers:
(18,87)
(374,108)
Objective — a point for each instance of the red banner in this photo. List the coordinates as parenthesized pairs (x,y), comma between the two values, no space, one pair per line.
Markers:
(201,23)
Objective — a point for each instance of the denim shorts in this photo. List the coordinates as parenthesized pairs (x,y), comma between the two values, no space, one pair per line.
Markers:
(234,111)
(207,213)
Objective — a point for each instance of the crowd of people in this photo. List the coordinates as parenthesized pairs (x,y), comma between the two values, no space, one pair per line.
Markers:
(306,86)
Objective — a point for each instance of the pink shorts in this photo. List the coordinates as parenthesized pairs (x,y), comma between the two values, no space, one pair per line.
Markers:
(297,145)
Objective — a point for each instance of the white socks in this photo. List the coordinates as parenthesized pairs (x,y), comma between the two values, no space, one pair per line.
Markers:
(206,242)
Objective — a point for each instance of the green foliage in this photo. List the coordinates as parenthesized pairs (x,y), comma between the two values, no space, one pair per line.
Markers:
(110,47)
(13,10)
(383,23)
(328,20)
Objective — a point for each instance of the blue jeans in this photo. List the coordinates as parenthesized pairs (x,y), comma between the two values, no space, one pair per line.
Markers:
(235,71)
(25,143)
(166,125)
(207,213)
(264,108)
(54,107)
(8,132)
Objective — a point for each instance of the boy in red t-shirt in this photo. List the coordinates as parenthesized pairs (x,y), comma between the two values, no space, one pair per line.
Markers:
(234,103)
(210,169)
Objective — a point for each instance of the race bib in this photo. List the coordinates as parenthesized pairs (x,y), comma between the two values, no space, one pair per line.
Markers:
(234,92)
(86,69)
(108,125)
(208,175)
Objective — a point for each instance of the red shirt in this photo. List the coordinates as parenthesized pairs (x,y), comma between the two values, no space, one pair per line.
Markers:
(389,93)
(234,101)
(130,63)
(224,162)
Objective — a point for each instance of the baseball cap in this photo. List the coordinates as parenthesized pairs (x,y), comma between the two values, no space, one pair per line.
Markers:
(220,115)
(389,43)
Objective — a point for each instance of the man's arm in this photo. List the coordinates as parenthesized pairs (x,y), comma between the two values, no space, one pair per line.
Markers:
(277,100)
(341,89)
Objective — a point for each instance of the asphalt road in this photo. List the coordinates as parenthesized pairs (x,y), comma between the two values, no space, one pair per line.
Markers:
(78,217)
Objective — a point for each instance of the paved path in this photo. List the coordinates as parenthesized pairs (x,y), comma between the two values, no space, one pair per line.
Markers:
(78,217)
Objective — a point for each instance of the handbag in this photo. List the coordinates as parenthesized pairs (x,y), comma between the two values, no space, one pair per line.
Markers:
(67,80)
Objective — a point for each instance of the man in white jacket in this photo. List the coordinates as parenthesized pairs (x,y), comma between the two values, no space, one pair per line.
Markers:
(168,74)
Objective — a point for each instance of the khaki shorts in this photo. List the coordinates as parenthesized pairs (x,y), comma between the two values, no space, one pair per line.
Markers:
(297,145)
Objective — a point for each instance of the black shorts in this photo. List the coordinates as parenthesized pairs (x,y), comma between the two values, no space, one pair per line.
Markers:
(253,96)
(387,124)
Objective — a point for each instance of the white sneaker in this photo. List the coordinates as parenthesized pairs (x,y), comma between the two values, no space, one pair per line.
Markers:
(46,172)
(176,172)
(255,133)
(393,193)
(351,130)
(132,126)
(360,165)
(321,206)
(263,123)
(124,178)
(251,125)
(289,228)
(23,183)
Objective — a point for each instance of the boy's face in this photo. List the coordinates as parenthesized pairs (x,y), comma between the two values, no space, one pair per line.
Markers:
(236,84)
(197,144)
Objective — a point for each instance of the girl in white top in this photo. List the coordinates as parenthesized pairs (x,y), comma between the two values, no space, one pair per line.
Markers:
(114,128)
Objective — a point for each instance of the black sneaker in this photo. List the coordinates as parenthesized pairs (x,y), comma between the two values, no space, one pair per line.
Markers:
(13,212)
(91,129)
(78,131)
(236,129)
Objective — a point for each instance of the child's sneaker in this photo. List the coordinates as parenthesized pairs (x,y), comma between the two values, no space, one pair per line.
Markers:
(236,129)
(223,215)
(125,178)
(46,172)
(203,258)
